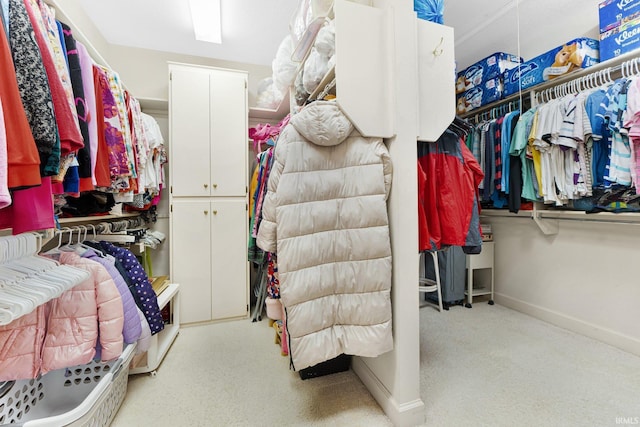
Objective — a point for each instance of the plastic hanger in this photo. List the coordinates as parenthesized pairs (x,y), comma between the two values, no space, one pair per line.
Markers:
(56,249)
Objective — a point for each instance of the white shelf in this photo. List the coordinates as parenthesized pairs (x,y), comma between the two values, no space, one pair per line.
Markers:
(101,218)
(505,213)
(331,74)
(482,261)
(269,114)
(478,292)
(548,219)
(167,295)
(150,105)
(161,342)
(623,217)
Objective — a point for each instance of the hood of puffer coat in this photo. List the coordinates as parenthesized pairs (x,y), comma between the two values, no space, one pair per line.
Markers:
(322,123)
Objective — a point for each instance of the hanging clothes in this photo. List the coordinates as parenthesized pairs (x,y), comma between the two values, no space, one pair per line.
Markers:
(85,315)
(52,34)
(329,186)
(75,73)
(86,67)
(23,338)
(146,296)
(31,210)
(118,158)
(23,160)
(451,199)
(34,88)
(5,196)
(132,328)
(69,137)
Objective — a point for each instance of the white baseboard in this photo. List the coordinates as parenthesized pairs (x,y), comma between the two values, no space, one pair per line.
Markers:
(402,415)
(596,332)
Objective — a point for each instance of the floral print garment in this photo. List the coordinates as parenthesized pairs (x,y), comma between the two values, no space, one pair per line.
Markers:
(50,29)
(118,157)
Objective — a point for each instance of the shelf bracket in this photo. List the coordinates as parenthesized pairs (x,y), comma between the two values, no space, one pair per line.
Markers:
(547,226)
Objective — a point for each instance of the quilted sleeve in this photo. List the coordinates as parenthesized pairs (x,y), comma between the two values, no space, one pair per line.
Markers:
(387,166)
(131,330)
(267,236)
(110,314)
(144,342)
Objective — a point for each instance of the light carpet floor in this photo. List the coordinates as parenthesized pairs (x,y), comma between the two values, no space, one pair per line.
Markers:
(485,366)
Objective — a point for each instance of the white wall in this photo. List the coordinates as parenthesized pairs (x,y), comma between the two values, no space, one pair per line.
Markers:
(485,27)
(145,72)
(72,13)
(583,279)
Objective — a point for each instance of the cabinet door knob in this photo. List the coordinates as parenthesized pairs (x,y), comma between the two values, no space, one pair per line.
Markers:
(206,186)
(215,212)
(206,212)
(215,185)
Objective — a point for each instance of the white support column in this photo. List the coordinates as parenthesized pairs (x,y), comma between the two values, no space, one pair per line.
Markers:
(394,378)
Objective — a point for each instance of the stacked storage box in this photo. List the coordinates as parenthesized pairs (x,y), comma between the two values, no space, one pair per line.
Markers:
(572,56)
(481,83)
(619,27)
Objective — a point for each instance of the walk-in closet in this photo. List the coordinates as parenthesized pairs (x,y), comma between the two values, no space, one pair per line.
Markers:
(319,213)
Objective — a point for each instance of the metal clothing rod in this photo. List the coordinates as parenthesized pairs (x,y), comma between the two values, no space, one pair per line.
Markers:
(591,79)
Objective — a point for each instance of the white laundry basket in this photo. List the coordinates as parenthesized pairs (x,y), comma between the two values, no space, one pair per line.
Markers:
(86,395)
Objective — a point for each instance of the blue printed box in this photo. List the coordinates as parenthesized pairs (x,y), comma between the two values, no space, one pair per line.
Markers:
(484,70)
(488,92)
(620,40)
(613,13)
(574,55)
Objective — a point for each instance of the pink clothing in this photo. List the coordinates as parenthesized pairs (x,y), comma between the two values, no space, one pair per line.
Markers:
(5,196)
(632,122)
(81,315)
(32,209)
(86,63)
(20,345)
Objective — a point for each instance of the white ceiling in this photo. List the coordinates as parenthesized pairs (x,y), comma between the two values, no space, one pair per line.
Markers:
(253,29)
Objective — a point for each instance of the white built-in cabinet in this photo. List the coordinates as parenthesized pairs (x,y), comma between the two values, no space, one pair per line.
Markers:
(208,159)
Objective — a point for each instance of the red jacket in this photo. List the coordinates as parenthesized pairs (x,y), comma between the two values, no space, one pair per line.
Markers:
(448,180)
(23,160)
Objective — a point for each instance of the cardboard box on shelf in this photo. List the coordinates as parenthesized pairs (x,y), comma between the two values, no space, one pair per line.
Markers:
(572,56)
(613,13)
(620,40)
(486,93)
(159,283)
(486,69)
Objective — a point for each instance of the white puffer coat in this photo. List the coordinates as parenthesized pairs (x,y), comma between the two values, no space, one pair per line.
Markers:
(325,215)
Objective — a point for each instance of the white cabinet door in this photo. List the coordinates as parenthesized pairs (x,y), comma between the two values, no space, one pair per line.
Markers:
(190,135)
(229,139)
(229,258)
(436,68)
(191,257)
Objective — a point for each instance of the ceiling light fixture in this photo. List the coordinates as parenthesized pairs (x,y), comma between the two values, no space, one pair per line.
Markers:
(207,23)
